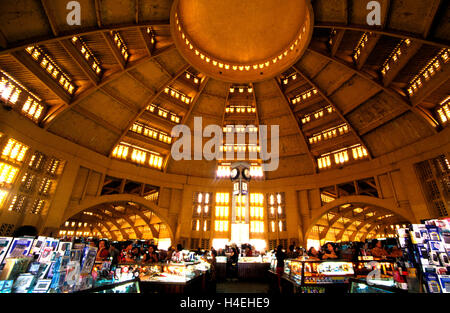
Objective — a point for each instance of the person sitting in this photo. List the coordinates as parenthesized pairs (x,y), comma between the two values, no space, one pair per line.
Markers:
(103,251)
(329,252)
(314,254)
(378,251)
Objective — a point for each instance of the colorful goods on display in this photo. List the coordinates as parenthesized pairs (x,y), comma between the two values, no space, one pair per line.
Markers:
(427,249)
(45,265)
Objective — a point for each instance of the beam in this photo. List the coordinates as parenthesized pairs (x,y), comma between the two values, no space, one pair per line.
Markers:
(27,61)
(143,34)
(406,106)
(141,214)
(80,61)
(395,68)
(338,111)
(52,117)
(116,53)
(337,41)
(136,11)
(186,117)
(113,221)
(296,122)
(111,209)
(95,221)
(367,50)
(43,40)
(50,17)
(439,79)
(3,41)
(429,18)
(385,32)
(98,13)
(149,101)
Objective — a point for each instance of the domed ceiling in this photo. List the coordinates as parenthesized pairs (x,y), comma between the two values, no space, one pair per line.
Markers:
(125,77)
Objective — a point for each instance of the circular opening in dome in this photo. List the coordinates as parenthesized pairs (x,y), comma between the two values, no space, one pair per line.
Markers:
(235,40)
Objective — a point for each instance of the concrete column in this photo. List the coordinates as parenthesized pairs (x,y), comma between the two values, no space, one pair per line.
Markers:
(61,199)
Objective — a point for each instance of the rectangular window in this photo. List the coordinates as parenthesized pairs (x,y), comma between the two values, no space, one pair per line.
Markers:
(8,174)
(37,161)
(222,212)
(14,151)
(256,212)
(276,212)
(18,203)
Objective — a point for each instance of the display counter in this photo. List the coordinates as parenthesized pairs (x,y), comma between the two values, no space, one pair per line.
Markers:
(315,276)
(166,277)
(128,286)
(249,268)
(362,286)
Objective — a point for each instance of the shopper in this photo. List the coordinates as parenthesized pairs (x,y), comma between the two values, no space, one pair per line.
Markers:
(103,251)
(396,252)
(378,251)
(281,256)
(125,255)
(329,252)
(114,254)
(212,270)
(177,256)
(232,264)
(290,253)
(170,252)
(150,256)
(314,254)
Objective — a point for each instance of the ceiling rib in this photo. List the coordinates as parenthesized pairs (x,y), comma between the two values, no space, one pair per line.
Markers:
(386,32)
(296,122)
(21,45)
(125,217)
(116,53)
(338,111)
(149,101)
(50,18)
(186,117)
(80,61)
(98,13)
(434,5)
(26,61)
(53,115)
(401,99)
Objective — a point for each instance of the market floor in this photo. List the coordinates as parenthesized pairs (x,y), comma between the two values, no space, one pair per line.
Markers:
(241,287)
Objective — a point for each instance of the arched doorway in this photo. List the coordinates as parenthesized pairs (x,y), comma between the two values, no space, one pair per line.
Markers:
(118,218)
(342,221)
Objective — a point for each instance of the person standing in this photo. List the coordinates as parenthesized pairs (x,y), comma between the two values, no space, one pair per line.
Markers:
(280,256)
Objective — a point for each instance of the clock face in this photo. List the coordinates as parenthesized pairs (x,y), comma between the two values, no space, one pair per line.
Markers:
(246,173)
(234,173)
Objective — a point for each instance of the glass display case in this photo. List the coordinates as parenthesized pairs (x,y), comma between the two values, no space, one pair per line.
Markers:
(377,272)
(254,259)
(305,272)
(362,286)
(129,286)
(327,272)
(161,272)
